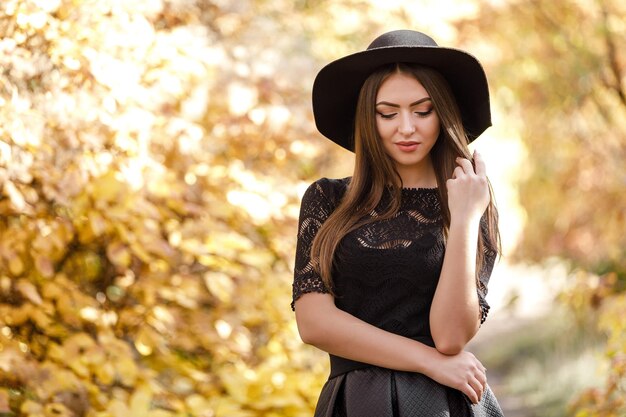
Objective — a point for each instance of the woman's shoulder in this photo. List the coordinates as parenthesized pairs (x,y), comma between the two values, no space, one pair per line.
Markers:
(333,183)
(331,189)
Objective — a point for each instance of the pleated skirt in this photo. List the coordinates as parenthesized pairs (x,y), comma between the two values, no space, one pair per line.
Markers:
(379,392)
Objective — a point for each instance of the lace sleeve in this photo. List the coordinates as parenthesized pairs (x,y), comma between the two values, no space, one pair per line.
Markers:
(490,255)
(317,204)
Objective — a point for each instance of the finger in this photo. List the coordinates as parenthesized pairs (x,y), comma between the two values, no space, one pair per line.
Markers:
(466,164)
(479,162)
(481,374)
(458,172)
(471,393)
(477,386)
(482,378)
(483,386)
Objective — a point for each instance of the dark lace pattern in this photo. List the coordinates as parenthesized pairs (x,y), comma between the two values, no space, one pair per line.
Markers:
(387,271)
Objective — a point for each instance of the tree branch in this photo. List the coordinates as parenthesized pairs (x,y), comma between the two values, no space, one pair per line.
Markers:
(614,66)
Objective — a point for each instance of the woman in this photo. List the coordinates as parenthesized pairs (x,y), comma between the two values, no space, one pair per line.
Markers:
(392,264)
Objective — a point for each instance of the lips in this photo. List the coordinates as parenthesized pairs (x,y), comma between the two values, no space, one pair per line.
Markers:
(407,146)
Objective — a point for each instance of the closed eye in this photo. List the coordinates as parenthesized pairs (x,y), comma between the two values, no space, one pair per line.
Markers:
(424,113)
(387,115)
(392,115)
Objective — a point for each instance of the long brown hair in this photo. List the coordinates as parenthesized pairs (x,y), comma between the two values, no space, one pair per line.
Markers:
(374,170)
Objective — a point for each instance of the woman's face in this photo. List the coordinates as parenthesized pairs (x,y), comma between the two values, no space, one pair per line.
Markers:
(406,121)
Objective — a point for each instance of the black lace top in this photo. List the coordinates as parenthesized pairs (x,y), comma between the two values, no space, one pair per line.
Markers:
(385,272)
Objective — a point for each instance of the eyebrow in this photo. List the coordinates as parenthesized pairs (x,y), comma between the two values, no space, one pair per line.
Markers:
(415,103)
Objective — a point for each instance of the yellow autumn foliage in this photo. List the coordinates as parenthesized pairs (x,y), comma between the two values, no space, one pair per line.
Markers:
(145,240)
(152,155)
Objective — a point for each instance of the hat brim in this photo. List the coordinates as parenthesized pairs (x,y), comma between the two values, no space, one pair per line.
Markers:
(336,87)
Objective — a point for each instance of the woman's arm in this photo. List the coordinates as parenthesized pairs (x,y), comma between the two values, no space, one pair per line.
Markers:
(454,314)
(323,325)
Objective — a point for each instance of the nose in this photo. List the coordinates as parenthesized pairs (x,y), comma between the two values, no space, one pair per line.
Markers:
(407,127)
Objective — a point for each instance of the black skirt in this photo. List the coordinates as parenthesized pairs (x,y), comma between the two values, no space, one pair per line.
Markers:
(379,392)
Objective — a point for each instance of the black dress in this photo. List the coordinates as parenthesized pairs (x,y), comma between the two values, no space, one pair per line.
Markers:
(385,273)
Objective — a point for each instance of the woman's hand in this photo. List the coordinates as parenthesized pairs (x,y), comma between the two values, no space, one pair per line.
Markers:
(468,189)
(462,372)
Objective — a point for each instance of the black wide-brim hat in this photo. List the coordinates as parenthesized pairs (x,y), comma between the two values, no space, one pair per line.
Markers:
(336,87)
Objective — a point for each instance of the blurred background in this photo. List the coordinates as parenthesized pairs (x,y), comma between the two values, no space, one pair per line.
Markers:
(152,158)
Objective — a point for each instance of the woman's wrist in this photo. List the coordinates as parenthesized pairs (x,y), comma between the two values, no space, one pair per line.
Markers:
(464,220)
(427,361)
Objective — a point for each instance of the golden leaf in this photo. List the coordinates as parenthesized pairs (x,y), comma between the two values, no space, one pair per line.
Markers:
(16,198)
(146,341)
(51,290)
(118,408)
(68,310)
(44,265)
(97,223)
(119,254)
(18,316)
(139,251)
(29,291)
(16,265)
(57,410)
(140,402)
(90,314)
(78,365)
(197,404)
(126,370)
(4,401)
(107,187)
(41,319)
(220,285)
(257,258)
(105,373)
(30,407)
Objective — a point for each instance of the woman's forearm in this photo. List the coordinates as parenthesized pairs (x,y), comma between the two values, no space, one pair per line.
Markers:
(323,325)
(454,314)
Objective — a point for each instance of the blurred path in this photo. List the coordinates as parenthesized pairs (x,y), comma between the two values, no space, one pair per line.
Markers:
(489,334)
(518,295)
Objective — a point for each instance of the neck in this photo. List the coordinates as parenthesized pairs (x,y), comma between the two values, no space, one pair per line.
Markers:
(418,176)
